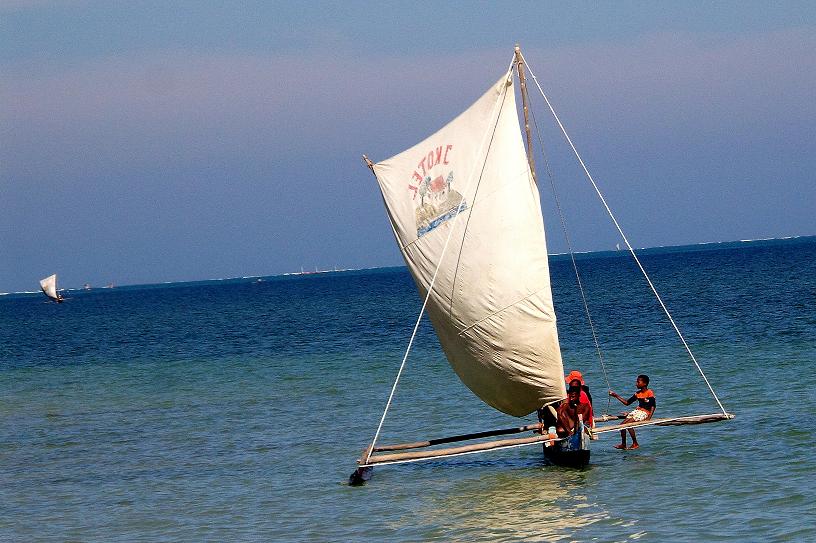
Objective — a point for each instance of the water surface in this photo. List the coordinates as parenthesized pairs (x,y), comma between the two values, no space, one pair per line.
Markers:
(234,410)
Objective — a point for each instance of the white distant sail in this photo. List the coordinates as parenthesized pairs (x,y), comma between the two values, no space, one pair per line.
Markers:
(49,287)
(491,304)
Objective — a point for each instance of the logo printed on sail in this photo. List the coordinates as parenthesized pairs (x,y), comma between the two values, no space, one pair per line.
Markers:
(434,200)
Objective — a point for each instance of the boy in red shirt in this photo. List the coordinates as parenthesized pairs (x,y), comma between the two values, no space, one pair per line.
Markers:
(571,410)
(585,396)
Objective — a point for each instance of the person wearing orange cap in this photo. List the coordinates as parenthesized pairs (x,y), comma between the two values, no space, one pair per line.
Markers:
(572,410)
(548,415)
(585,396)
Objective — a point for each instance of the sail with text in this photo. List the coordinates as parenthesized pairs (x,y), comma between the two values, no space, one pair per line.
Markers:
(464,208)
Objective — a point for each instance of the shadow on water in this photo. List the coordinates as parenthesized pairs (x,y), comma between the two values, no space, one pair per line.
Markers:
(509,497)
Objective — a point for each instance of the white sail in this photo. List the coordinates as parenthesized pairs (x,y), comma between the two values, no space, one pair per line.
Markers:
(49,286)
(491,304)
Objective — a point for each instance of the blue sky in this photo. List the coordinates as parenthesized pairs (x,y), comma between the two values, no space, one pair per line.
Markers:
(152,141)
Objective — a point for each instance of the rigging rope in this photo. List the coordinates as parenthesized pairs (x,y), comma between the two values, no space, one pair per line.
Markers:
(572,257)
(453,222)
(628,245)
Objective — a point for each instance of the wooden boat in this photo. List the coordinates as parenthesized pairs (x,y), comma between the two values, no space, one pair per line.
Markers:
(464,208)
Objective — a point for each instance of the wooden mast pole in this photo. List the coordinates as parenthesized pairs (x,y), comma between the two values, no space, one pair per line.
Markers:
(523,84)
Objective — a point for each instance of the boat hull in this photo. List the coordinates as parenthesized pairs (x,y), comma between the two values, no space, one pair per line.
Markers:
(360,476)
(568,459)
(573,452)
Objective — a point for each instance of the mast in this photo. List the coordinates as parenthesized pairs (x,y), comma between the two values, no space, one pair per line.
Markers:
(523,84)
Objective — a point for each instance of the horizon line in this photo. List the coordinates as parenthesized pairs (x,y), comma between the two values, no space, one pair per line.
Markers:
(322,272)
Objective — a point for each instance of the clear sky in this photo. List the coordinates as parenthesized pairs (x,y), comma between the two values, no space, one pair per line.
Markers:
(145,142)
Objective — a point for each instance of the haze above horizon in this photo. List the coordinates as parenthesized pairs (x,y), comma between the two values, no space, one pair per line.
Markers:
(147,143)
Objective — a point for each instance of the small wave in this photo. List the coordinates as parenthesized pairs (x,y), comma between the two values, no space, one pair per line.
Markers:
(771,239)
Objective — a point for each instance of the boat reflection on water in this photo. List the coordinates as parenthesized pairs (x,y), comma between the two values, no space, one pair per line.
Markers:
(510,499)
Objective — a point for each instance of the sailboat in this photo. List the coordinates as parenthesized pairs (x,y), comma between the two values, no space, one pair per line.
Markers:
(49,288)
(465,211)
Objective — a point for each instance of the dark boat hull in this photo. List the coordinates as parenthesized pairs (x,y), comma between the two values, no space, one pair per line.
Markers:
(360,476)
(569,459)
(572,452)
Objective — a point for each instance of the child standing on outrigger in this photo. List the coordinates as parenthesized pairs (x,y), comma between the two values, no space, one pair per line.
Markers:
(644,411)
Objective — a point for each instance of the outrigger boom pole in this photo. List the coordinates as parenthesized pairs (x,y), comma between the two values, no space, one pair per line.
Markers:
(363,473)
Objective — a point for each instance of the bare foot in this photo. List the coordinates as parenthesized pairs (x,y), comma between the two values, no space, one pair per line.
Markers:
(621,446)
(633,447)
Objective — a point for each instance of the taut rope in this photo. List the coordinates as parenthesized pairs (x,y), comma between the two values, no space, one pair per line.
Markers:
(453,222)
(628,245)
(563,221)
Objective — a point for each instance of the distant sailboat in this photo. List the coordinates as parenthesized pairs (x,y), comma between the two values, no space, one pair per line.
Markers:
(464,207)
(49,288)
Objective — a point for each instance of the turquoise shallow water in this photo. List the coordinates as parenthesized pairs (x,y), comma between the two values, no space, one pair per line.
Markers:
(234,410)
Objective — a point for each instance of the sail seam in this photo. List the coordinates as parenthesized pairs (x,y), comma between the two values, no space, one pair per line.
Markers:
(517,302)
(475,193)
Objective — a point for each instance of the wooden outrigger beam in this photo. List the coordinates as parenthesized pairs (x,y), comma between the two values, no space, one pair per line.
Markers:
(507,443)
(464,437)
(676,421)
(456,451)
(538,427)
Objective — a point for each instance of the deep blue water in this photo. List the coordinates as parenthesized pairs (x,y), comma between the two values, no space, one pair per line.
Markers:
(235,410)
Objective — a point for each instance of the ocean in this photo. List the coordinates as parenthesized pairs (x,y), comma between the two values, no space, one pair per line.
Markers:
(235,410)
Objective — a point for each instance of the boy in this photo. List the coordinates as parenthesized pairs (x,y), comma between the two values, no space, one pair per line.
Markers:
(644,411)
(570,409)
(586,397)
